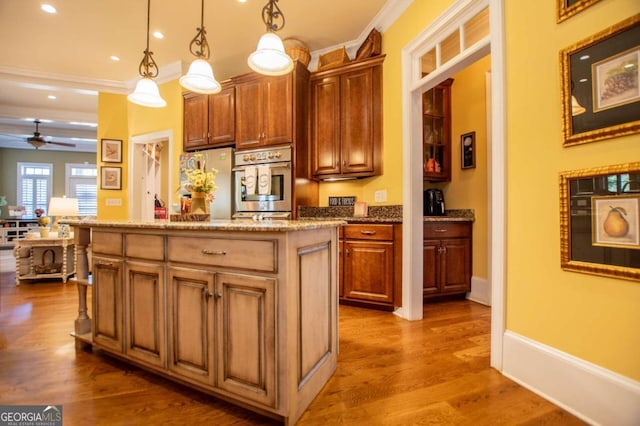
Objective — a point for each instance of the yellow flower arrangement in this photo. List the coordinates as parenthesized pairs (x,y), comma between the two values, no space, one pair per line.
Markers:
(201,180)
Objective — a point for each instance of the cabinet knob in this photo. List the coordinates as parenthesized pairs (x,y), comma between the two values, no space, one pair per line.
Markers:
(439,230)
(207,293)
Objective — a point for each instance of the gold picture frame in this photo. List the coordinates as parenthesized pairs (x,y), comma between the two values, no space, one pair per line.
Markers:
(586,198)
(590,111)
(567,8)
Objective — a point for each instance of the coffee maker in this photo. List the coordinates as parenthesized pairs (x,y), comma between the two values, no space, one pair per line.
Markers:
(433,202)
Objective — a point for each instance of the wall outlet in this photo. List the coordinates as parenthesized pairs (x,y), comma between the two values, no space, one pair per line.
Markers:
(380,196)
(114,202)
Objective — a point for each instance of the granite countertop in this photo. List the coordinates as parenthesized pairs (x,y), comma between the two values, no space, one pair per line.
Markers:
(214,225)
(378,214)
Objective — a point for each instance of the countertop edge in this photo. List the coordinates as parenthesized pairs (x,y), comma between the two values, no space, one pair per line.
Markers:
(215,225)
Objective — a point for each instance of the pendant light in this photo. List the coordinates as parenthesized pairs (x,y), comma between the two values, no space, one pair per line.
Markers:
(270,57)
(147,93)
(200,77)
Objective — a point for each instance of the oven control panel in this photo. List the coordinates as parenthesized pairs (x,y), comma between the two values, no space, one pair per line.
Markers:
(263,156)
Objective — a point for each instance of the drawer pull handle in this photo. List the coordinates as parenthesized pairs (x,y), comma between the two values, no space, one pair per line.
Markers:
(368,232)
(439,230)
(109,264)
(213,252)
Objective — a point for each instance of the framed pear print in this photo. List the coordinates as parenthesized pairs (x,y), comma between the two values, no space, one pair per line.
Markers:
(600,221)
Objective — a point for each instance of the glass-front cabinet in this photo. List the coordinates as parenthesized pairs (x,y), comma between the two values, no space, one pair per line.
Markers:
(436,132)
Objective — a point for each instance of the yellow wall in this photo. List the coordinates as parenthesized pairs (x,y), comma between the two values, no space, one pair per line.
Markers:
(593,318)
(120,119)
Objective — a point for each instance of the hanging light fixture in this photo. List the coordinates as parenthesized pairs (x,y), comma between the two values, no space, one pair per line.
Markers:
(200,78)
(147,93)
(270,57)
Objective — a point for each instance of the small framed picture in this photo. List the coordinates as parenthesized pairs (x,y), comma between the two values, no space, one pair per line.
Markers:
(111,150)
(111,178)
(615,221)
(567,8)
(468,150)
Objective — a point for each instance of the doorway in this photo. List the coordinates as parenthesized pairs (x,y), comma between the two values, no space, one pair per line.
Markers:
(150,177)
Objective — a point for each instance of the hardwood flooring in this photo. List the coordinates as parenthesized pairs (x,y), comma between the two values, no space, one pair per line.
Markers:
(390,371)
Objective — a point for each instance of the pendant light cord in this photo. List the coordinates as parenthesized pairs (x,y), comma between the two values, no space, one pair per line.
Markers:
(148,67)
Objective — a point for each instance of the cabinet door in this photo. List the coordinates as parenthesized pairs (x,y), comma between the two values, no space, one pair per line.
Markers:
(195,121)
(107,303)
(249,109)
(341,268)
(190,311)
(368,270)
(246,329)
(222,117)
(360,121)
(436,132)
(144,317)
(430,267)
(325,126)
(456,266)
(278,110)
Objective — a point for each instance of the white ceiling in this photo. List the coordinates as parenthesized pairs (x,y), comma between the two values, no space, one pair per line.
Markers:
(68,54)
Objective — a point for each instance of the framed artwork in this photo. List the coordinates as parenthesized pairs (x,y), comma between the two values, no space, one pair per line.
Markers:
(614,221)
(468,150)
(111,177)
(111,151)
(601,85)
(567,8)
(600,221)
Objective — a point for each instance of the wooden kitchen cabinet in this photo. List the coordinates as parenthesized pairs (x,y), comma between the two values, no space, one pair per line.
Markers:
(436,132)
(371,265)
(209,120)
(191,324)
(447,258)
(107,302)
(346,120)
(270,110)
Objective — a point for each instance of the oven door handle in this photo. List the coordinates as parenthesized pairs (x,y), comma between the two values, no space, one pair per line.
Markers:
(285,164)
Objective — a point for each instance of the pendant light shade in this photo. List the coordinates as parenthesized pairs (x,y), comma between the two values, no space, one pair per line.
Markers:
(200,78)
(147,94)
(270,57)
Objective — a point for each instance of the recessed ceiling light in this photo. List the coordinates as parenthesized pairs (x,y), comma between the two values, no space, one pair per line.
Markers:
(242,1)
(82,123)
(114,58)
(51,97)
(158,34)
(48,8)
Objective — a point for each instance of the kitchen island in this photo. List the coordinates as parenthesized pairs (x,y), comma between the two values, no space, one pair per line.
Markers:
(242,310)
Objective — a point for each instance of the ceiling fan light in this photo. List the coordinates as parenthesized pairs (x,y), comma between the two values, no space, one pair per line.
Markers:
(147,94)
(200,78)
(270,57)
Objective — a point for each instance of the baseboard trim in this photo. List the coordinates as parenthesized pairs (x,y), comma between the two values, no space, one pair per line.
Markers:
(480,291)
(592,393)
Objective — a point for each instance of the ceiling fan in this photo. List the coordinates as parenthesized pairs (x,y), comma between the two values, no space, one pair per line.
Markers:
(38,141)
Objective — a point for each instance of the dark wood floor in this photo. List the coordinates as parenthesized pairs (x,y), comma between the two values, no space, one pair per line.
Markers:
(390,372)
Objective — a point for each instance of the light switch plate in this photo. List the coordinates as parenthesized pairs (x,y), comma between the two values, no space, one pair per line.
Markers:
(380,196)
(114,202)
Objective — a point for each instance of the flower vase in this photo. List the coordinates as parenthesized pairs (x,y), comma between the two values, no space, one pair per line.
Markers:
(199,203)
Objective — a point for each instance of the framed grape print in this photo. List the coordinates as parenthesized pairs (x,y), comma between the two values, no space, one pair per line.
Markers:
(600,221)
(601,85)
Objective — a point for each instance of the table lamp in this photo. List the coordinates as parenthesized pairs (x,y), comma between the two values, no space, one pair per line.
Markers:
(61,207)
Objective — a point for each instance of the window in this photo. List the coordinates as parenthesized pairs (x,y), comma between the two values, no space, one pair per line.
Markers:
(82,184)
(34,186)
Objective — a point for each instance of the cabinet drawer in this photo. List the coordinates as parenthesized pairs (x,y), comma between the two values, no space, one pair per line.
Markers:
(369,232)
(106,243)
(255,255)
(150,247)
(437,230)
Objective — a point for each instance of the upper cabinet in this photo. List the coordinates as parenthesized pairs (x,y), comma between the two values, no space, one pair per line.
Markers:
(267,108)
(436,132)
(346,120)
(209,120)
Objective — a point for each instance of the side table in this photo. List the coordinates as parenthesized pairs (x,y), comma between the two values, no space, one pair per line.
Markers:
(31,253)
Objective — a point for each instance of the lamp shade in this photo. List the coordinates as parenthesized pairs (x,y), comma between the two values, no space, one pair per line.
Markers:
(63,206)
(147,94)
(200,78)
(270,57)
